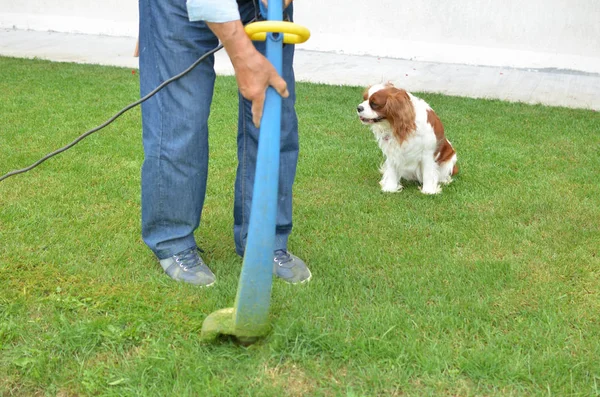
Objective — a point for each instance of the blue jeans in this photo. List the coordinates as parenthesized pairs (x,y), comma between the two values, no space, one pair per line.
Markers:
(175,132)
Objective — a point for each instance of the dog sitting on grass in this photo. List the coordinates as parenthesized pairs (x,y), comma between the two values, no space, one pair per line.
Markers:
(411,137)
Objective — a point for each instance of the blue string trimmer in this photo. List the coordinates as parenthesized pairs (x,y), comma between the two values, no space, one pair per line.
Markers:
(248,320)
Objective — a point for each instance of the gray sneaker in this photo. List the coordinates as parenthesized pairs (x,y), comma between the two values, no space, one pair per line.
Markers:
(290,268)
(187,266)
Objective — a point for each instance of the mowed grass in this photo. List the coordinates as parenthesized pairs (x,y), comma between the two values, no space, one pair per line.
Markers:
(491,288)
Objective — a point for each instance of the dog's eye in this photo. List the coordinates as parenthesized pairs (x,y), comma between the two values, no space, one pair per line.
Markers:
(374,105)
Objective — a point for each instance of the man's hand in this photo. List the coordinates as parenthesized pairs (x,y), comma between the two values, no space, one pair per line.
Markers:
(253,72)
(285,3)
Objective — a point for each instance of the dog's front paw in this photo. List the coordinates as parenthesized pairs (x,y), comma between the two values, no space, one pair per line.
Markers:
(446,181)
(431,190)
(390,187)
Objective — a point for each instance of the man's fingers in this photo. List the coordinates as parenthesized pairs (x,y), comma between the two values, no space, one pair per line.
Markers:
(257,109)
(280,85)
(258,103)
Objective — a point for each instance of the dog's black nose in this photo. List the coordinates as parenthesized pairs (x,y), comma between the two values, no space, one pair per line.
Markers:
(360,108)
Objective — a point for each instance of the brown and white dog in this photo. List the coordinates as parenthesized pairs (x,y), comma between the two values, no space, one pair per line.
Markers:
(411,137)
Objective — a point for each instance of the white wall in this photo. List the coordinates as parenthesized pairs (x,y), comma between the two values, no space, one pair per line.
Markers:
(561,34)
(520,33)
(108,17)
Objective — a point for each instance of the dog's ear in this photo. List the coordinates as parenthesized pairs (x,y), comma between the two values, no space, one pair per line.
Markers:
(400,113)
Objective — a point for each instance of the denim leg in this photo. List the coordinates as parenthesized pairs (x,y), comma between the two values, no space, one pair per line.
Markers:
(247,149)
(174,123)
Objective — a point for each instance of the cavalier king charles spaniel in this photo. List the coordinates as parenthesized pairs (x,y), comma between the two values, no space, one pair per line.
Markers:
(411,137)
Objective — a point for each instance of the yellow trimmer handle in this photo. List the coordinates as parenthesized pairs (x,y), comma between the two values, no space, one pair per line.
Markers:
(292,32)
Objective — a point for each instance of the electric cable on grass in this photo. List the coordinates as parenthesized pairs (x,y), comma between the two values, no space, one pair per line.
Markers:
(113,118)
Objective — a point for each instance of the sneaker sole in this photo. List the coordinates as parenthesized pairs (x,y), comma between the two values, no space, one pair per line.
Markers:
(306,280)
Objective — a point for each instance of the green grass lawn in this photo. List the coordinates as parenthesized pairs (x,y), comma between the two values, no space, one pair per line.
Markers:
(491,288)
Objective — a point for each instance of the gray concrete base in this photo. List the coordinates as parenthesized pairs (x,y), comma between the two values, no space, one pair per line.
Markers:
(549,87)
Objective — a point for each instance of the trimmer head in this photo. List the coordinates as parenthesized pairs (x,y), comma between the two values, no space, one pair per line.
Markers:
(222,322)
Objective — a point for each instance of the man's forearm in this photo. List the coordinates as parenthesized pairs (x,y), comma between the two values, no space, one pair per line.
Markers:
(234,39)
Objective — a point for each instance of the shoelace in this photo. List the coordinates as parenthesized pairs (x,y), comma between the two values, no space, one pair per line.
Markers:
(187,259)
(282,256)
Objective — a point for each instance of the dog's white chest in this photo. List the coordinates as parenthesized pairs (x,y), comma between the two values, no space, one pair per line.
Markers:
(410,150)
(405,158)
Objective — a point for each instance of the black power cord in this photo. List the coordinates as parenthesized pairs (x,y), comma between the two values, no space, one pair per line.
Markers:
(113,118)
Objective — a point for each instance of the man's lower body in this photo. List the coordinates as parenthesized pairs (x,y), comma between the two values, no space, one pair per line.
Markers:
(175,137)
